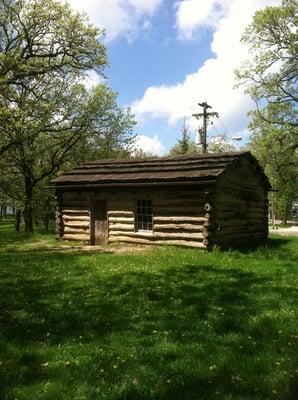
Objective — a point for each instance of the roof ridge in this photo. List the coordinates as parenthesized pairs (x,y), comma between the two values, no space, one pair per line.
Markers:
(167,158)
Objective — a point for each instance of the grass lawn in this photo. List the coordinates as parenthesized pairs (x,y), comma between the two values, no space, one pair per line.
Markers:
(165,324)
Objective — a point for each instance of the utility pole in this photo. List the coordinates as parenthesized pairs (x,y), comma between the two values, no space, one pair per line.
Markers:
(205,115)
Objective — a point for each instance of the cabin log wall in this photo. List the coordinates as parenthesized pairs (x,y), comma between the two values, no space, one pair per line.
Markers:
(75,216)
(240,211)
(179,215)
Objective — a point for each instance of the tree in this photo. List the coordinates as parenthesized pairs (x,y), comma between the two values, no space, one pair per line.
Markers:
(47,116)
(184,145)
(275,149)
(220,144)
(140,153)
(110,130)
(270,76)
(40,39)
(63,127)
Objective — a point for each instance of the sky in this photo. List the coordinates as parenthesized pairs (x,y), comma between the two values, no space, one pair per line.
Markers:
(167,56)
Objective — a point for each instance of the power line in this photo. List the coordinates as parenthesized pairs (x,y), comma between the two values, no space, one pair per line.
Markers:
(225,128)
(217,130)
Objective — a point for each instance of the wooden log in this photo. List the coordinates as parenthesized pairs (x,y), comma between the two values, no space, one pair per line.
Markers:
(76,205)
(207,207)
(237,209)
(223,203)
(78,224)
(177,219)
(236,233)
(76,237)
(161,235)
(243,225)
(231,229)
(198,202)
(121,219)
(240,213)
(121,227)
(75,231)
(184,206)
(120,213)
(245,184)
(242,221)
(177,227)
(239,194)
(138,240)
(68,217)
(232,193)
(241,235)
(206,243)
(220,203)
(75,211)
(179,212)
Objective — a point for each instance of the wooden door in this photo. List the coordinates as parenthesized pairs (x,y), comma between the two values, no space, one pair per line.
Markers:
(99,223)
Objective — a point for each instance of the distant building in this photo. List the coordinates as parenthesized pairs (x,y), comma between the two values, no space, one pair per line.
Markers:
(7,210)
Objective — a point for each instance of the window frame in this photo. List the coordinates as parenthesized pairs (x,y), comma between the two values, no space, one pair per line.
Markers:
(142,215)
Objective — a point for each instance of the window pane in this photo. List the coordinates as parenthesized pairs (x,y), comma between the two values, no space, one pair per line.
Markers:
(144,214)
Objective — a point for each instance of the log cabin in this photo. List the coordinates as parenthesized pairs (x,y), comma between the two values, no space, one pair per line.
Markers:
(197,201)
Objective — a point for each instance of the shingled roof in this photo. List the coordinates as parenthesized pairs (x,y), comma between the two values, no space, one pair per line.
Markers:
(156,170)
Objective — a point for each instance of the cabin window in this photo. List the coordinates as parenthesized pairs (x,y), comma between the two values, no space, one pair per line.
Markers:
(143,215)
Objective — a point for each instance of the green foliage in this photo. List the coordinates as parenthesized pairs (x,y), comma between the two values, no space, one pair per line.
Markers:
(38,38)
(140,153)
(275,148)
(184,145)
(110,131)
(170,324)
(270,76)
(178,150)
(41,40)
(48,119)
(220,145)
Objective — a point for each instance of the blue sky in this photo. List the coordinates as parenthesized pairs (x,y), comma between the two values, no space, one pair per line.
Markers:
(166,56)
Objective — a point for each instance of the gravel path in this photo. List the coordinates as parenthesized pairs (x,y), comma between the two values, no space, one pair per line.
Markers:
(292,231)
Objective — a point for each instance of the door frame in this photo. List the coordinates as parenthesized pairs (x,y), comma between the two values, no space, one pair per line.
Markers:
(93,219)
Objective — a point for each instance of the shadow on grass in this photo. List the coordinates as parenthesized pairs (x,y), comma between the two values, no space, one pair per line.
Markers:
(10,236)
(187,332)
(270,243)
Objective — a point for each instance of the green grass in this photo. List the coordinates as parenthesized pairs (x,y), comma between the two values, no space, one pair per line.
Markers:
(165,324)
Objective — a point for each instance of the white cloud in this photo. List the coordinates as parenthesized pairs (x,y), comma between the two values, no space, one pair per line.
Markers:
(145,6)
(214,80)
(150,145)
(118,17)
(192,14)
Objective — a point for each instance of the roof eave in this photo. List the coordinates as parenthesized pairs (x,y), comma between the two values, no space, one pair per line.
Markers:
(133,184)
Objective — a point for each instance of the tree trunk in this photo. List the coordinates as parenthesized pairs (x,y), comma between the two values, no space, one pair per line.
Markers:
(46,223)
(1,211)
(17,220)
(27,213)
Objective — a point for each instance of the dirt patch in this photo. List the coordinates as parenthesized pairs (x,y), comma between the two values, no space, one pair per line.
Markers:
(130,248)
(113,249)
